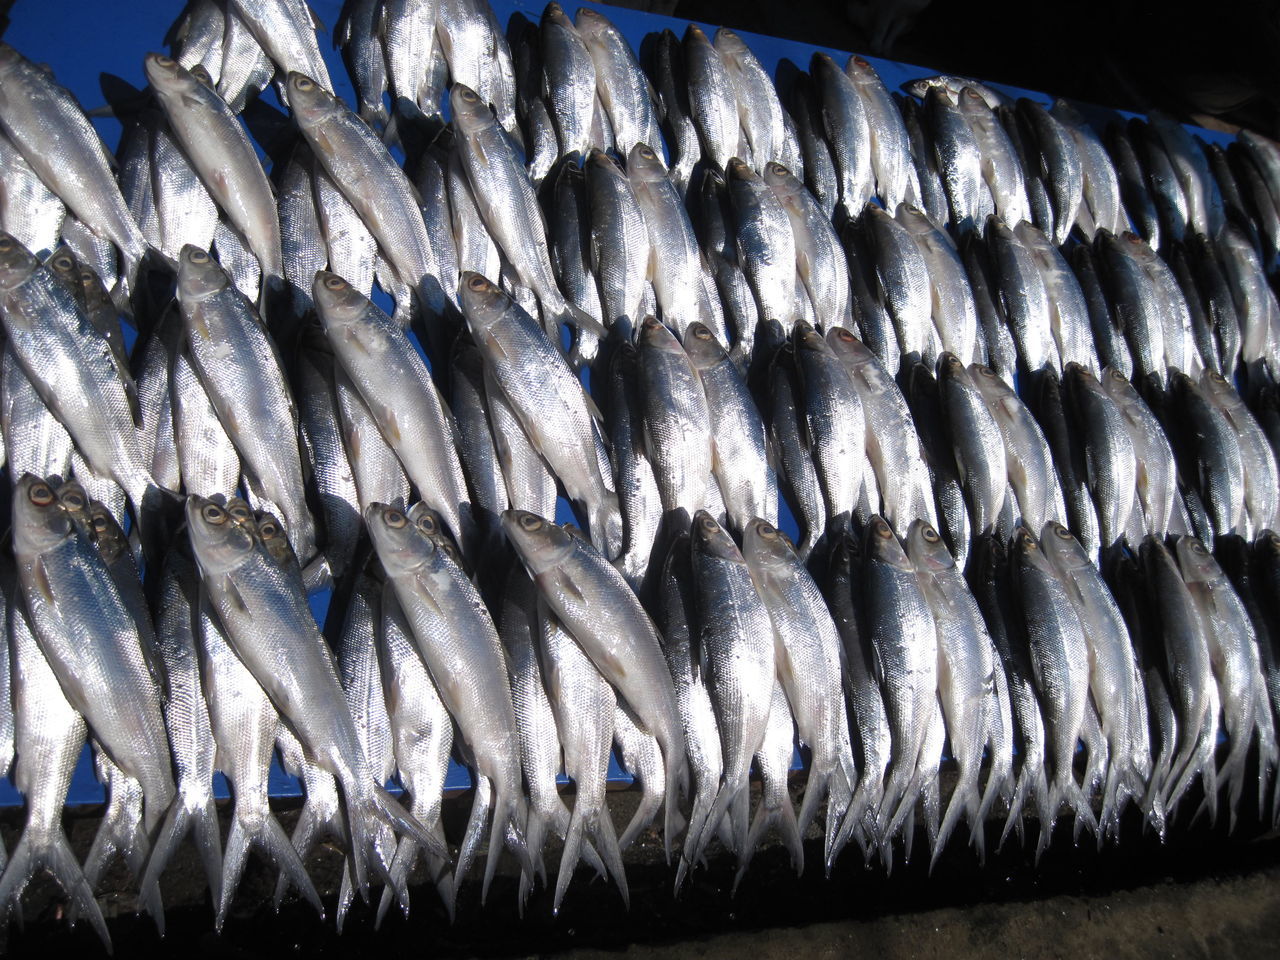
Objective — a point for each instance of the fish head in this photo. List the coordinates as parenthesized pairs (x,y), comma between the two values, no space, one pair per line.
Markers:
(644,164)
(1195,561)
(927,549)
(591,23)
(950,368)
(220,543)
(779,175)
(470,112)
(110,537)
(338,303)
(76,503)
(1061,545)
(711,539)
(431,526)
(702,346)
(311,103)
(882,545)
(553,13)
(169,79)
(767,546)
(200,276)
(483,303)
(272,534)
(401,546)
(40,522)
(541,544)
(66,267)
(16,262)
(1028,551)
(241,513)
(738,170)
(654,335)
(988,382)
(847,347)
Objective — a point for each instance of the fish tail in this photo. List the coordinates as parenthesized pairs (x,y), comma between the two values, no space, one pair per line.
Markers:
(479,815)
(600,829)
(281,851)
(651,800)
(815,789)
(209,841)
(535,834)
(237,851)
(783,816)
(177,822)
(697,819)
(569,857)
(389,810)
(729,789)
(858,809)
(406,856)
(677,781)
(507,812)
(965,798)
(61,862)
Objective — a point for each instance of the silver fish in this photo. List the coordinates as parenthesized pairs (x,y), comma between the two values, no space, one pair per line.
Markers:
(286,31)
(237,363)
(550,403)
(397,389)
(595,604)
(220,151)
(844,116)
(29,210)
(621,85)
(568,79)
(70,595)
(42,119)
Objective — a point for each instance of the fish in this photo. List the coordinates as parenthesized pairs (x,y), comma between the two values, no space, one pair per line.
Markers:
(396,387)
(621,86)
(568,80)
(902,633)
(740,448)
(29,211)
(550,404)
(373,182)
(71,596)
(595,604)
(808,657)
(965,674)
(585,706)
(239,366)
(220,151)
(44,122)
(49,734)
(1060,667)
(619,248)
(267,621)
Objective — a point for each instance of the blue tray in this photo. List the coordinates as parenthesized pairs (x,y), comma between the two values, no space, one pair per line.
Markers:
(81,41)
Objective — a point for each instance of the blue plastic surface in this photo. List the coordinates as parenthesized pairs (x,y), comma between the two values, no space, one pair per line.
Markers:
(80,41)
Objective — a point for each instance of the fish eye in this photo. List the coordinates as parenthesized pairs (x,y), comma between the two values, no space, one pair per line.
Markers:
(709,524)
(198,256)
(100,523)
(930,535)
(469,96)
(395,519)
(1216,377)
(41,495)
(87,276)
(1061,532)
(240,512)
(986,371)
(74,500)
(702,333)
(1117,375)
(5,244)
(478,283)
(778,169)
(304,84)
(530,522)
(767,531)
(845,335)
(882,529)
(648,154)
(427,524)
(451,552)
(62,262)
(334,282)
(214,513)
(1198,548)
(163,61)
(268,530)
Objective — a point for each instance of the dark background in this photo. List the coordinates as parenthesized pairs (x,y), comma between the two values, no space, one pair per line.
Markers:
(1202,62)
